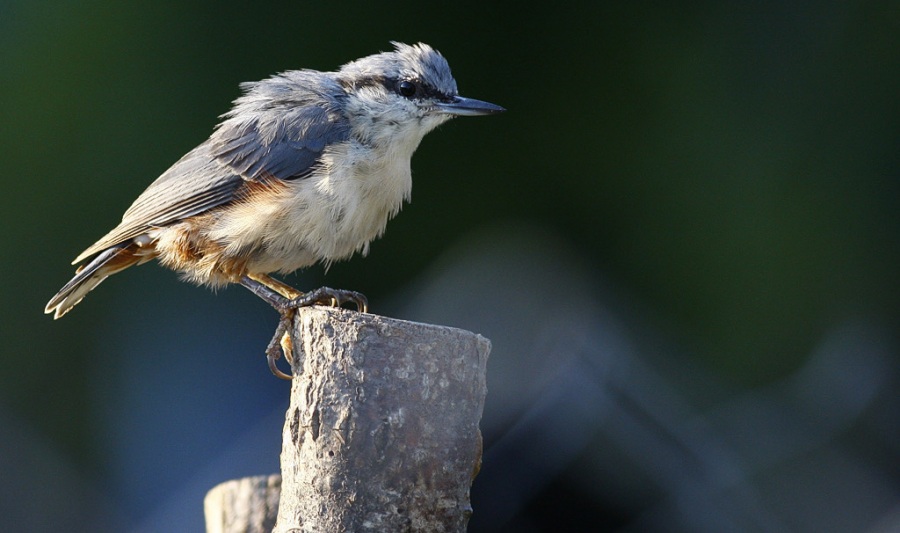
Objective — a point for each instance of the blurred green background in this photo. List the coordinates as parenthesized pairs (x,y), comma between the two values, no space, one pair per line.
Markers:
(731,170)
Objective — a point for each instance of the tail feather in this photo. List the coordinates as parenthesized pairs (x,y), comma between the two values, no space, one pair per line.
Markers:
(88,276)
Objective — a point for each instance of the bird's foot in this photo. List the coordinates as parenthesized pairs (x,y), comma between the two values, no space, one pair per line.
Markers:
(326,296)
(287,307)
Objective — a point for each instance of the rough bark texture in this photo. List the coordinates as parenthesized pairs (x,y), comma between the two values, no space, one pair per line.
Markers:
(248,505)
(382,430)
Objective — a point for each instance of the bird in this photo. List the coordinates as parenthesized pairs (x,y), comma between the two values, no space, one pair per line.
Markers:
(307,167)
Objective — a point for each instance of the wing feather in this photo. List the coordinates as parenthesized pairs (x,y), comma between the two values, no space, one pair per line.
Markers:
(193,185)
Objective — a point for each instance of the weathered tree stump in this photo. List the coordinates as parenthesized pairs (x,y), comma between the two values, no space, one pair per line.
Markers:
(382,429)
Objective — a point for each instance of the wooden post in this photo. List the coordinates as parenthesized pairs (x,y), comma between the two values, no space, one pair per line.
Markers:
(382,429)
(248,505)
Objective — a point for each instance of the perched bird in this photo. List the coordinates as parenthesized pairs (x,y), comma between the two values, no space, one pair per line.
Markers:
(307,167)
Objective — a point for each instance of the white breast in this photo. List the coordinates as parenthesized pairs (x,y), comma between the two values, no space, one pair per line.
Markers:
(325,217)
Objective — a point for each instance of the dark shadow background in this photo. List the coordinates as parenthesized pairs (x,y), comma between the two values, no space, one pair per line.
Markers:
(682,240)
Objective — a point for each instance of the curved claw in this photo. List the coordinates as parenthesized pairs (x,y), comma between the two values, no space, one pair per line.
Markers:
(276,346)
(271,358)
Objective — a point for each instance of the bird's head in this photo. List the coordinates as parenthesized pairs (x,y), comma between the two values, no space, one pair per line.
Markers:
(405,93)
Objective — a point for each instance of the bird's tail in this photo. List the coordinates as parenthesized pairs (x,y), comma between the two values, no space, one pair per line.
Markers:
(88,276)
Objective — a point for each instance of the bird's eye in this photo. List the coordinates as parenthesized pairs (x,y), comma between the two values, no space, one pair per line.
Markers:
(407,88)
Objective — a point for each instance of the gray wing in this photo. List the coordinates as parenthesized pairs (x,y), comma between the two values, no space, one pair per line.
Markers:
(281,125)
(278,130)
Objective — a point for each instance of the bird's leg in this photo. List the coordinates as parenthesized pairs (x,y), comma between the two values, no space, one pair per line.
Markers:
(278,299)
(286,300)
(281,288)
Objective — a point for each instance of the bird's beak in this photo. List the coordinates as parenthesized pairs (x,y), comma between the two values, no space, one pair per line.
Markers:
(468,107)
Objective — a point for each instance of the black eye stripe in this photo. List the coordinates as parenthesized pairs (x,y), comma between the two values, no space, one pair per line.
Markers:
(427,91)
(422,90)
